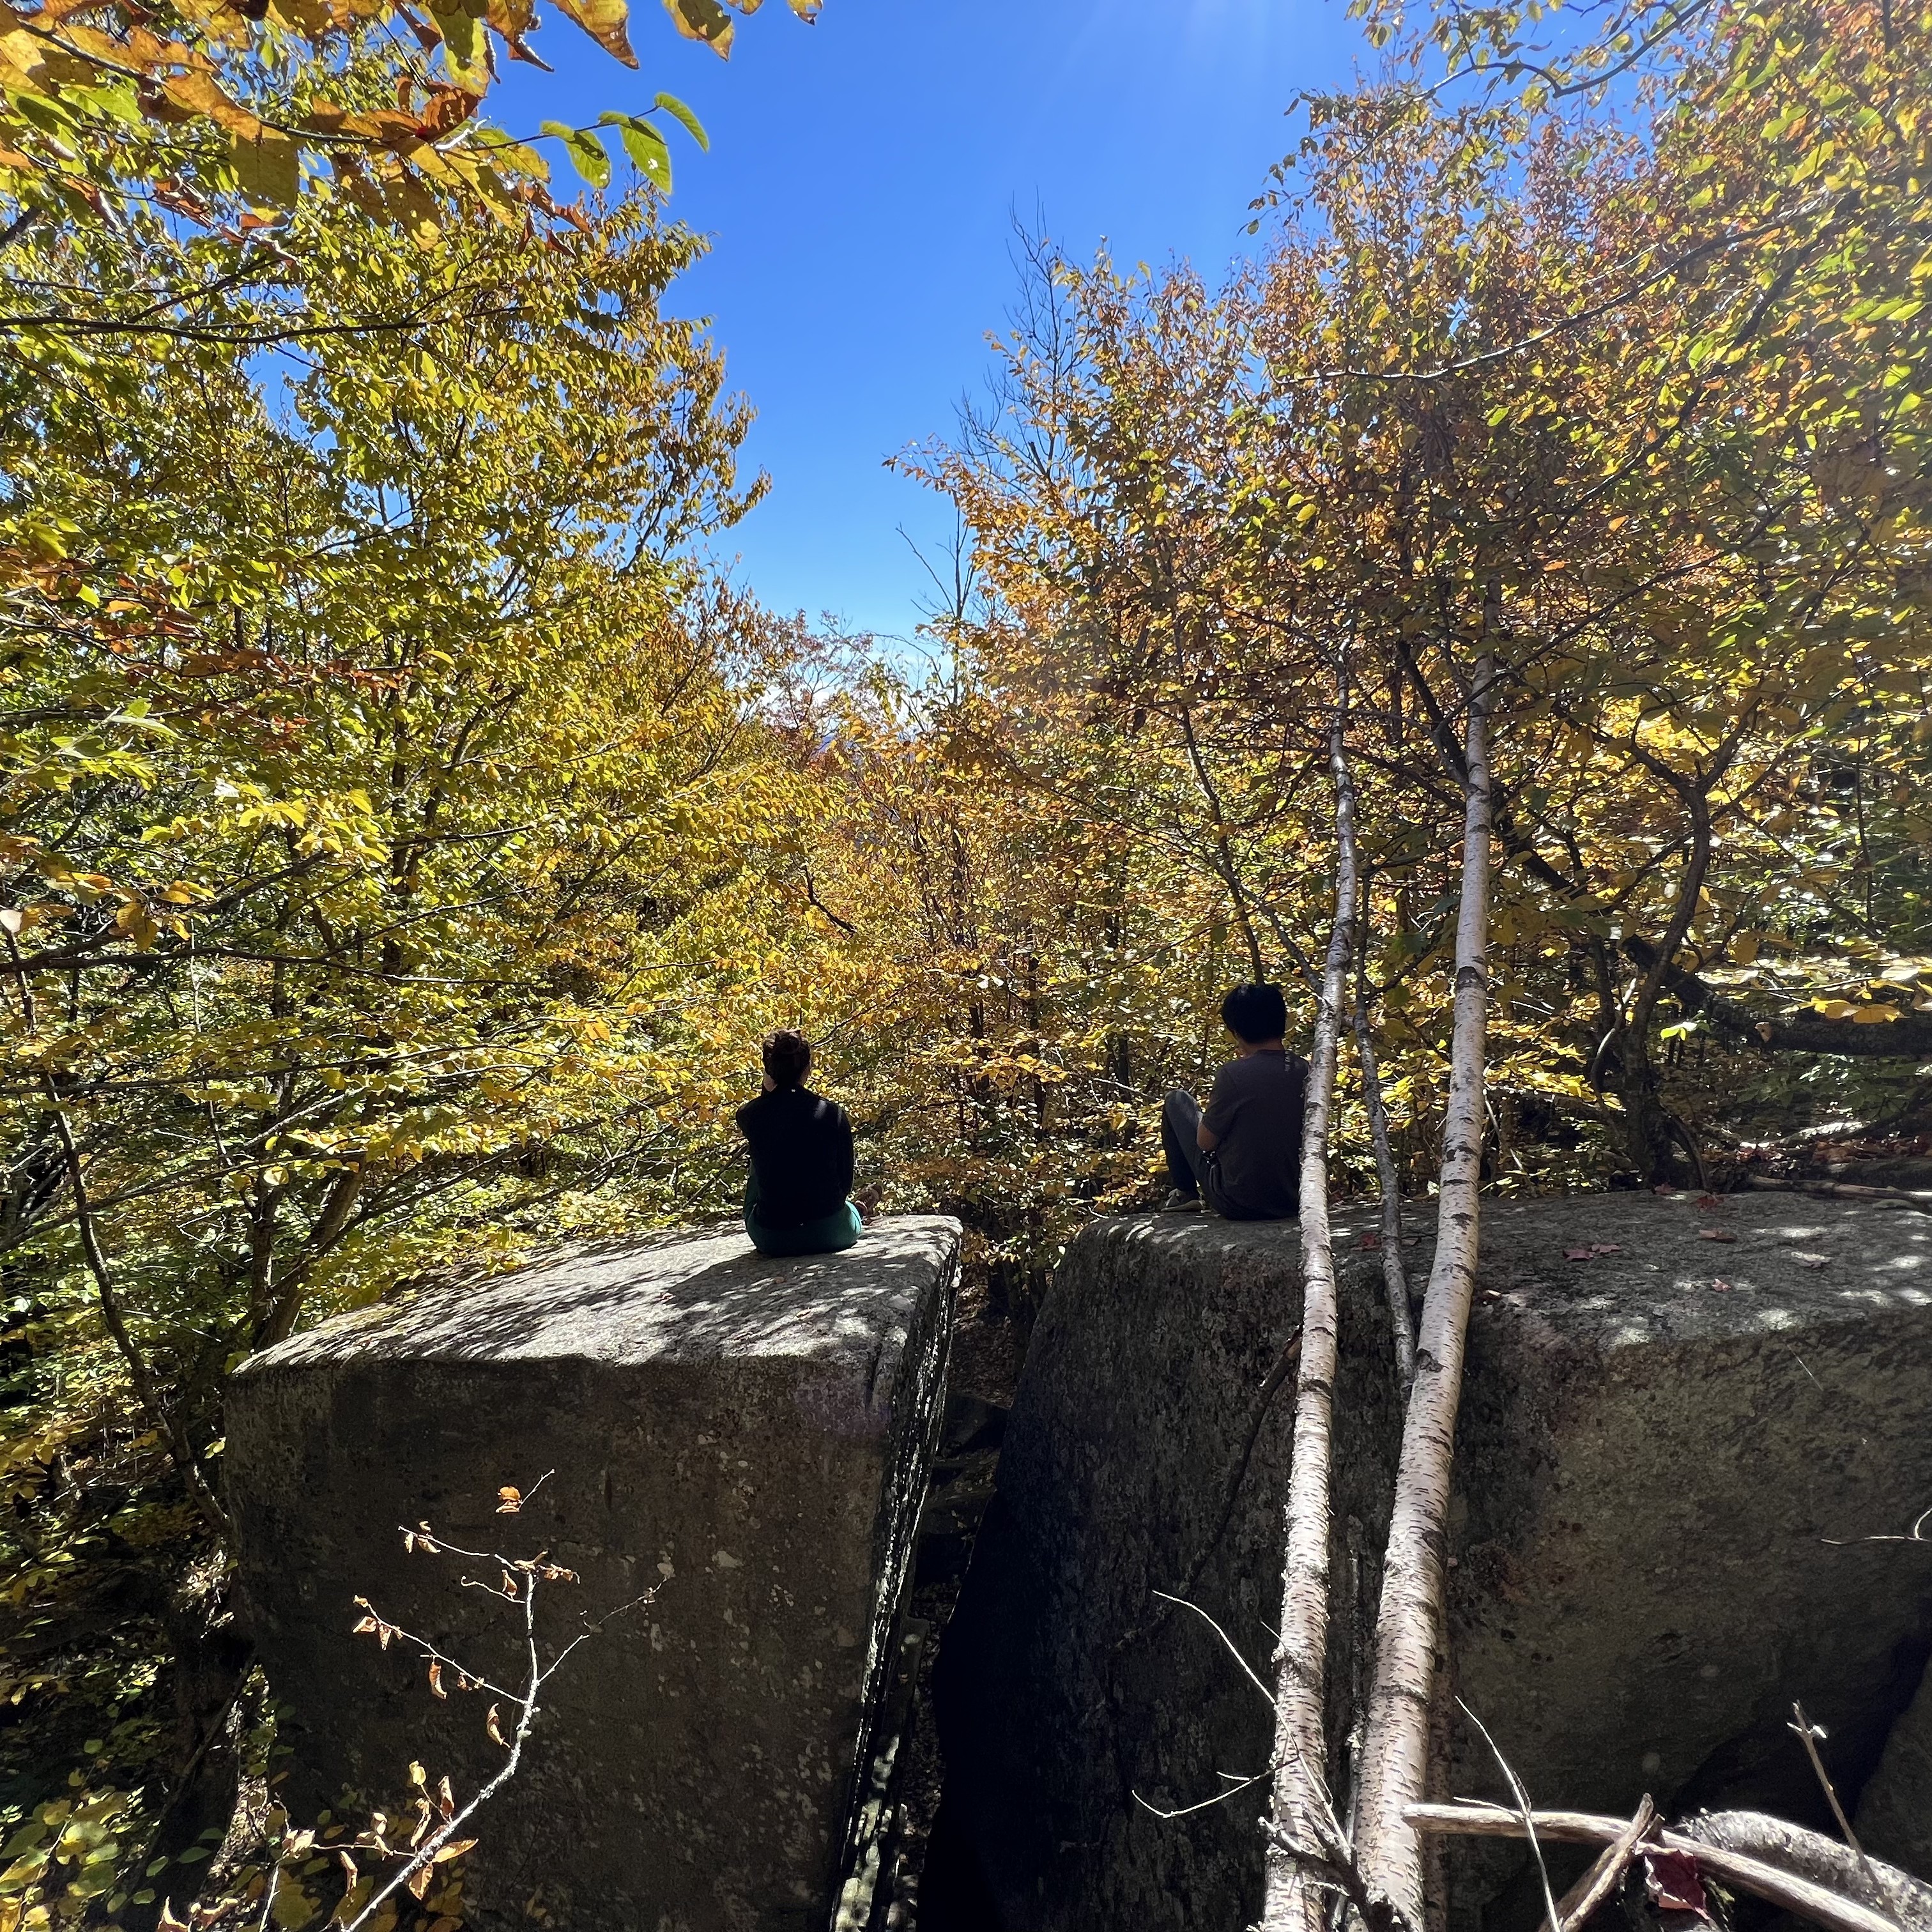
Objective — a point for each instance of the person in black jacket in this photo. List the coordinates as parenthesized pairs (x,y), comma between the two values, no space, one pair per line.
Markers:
(798,1201)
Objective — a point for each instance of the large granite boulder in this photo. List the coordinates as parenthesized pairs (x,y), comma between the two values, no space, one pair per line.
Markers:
(749,1439)
(1894,1816)
(1670,1447)
(1070,1699)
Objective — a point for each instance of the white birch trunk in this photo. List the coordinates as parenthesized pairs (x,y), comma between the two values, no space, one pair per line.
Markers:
(1291,1904)
(1395,1275)
(1409,1627)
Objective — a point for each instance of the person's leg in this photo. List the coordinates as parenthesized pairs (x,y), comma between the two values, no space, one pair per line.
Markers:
(825,1236)
(759,1235)
(1180,1117)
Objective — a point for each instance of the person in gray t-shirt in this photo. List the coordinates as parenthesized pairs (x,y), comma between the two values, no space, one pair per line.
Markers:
(1242,1155)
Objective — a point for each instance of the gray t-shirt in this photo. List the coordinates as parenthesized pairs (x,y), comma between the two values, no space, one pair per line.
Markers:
(1254,1115)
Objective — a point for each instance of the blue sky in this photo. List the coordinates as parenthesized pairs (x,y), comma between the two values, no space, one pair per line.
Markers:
(860,191)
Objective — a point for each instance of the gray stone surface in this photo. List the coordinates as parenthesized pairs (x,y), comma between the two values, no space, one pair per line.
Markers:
(750,1436)
(1894,1815)
(1650,1466)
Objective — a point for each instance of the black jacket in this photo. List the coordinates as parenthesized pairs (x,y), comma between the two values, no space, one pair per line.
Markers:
(801,1155)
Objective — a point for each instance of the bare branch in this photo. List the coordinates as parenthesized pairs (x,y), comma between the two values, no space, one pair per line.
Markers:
(1809,1900)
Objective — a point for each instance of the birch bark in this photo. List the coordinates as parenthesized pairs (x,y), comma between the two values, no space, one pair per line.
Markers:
(1408,1628)
(1395,1275)
(1291,1903)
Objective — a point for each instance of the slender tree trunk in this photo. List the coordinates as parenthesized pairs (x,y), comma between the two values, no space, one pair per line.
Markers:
(1291,1904)
(1395,1276)
(1409,1629)
(337,1205)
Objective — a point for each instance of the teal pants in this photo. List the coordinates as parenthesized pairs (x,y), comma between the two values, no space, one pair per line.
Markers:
(825,1236)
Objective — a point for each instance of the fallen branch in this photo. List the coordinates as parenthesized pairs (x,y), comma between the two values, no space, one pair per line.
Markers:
(1920,1198)
(1783,1889)
(1607,1873)
(1810,1856)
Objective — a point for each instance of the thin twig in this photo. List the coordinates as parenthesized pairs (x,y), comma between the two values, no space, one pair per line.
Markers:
(1523,1808)
(1913,1535)
(268,1894)
(1247,1668)
(1606,1872)
(1207,1804)
(533,1571)
(1808,1734)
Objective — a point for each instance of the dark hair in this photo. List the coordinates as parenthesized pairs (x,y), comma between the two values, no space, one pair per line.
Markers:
(1252,1013)
(788,1058)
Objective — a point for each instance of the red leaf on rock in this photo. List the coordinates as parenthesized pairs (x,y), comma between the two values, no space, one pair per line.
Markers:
(1722,1287)
(1673,1882)
(1576,1254)
(1371,1242)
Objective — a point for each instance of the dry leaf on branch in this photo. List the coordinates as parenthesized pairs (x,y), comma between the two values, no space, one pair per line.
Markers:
(509,1501)
(1674,1884)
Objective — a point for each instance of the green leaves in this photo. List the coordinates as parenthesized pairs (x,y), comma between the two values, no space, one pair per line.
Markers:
(647,149)
(83,95)
(645,146)
(675,108)
(585,152)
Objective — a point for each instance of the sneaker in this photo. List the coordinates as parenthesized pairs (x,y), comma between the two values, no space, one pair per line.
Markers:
(1178,1203)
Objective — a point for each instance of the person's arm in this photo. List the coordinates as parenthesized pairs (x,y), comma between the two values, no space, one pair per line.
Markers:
(1216,1117)
(843,1124)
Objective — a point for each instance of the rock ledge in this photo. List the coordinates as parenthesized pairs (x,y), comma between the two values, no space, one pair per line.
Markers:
(750,1437)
